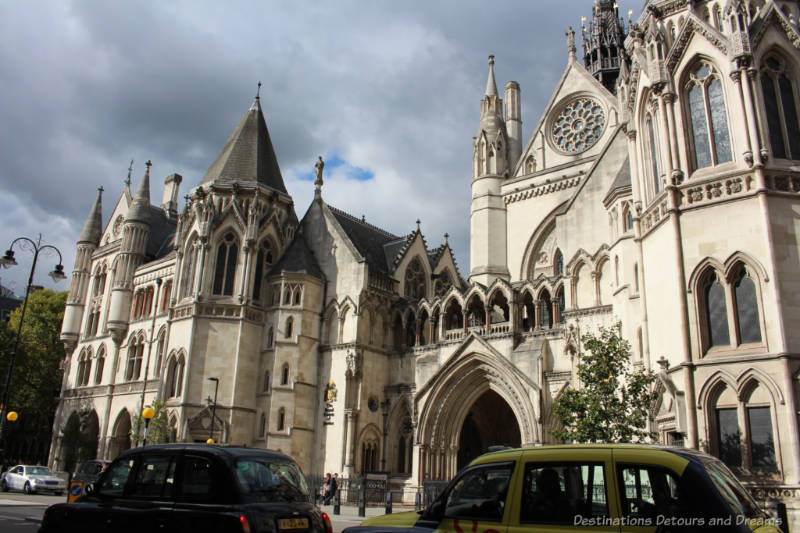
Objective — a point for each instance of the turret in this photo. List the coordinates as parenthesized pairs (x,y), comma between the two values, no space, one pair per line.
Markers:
(604,43)
(135,234)
(513,123)
(81,274)
(490,154)
(169,201)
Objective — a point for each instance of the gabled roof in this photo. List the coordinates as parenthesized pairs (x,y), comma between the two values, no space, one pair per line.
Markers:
(369,240)
(298,258)
(248,155)
(162,234)
(622,181)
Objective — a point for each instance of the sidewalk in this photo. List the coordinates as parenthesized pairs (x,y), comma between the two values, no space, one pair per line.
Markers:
(350,512)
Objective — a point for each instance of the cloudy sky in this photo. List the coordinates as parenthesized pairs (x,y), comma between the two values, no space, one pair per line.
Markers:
(387,92)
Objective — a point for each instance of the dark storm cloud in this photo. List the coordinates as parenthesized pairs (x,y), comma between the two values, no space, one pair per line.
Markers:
(391,87)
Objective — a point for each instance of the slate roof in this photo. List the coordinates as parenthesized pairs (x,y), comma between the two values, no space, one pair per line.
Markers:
(162,234)
(248,154)
(369,240)
(298,258)
(623,179)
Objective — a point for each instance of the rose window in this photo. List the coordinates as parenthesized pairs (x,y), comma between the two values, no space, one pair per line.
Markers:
(578,126)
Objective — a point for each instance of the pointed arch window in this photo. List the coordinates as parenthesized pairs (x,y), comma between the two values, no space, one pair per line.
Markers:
(285,374)
(558,264)
(160,346)
(133,368)
(443,282)
(747,316)
(225,270)
(262,426)
(264,261)
(653,153)
(84,368)
(189,269)
(175,377)
(166,293)
(266,382)
(780,101)
(281,419)
(415,286)
(101,362)
(708,118)
(289,325)
(716,312)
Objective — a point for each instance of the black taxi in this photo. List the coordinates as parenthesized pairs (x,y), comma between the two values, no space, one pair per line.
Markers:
(603,488)
(193,488)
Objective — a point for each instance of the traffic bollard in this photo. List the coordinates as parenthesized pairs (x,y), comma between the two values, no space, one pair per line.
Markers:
(336,503)
(388,509)
(362,500)
(418,501)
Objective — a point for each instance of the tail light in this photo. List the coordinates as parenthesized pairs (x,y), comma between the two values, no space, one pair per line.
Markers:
(326,520)
(245,524)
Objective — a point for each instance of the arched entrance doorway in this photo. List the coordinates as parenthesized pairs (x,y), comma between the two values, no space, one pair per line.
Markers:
(79,439)
(121,438)
(489,422)
(474,401)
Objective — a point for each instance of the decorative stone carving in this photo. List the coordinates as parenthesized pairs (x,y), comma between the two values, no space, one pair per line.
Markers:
(353,361)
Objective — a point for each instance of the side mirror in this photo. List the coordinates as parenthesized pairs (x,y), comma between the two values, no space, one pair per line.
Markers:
(434,511)
(90,489)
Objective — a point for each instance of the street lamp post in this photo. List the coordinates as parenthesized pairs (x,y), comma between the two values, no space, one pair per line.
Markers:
(213,410)
(149,351)
(147,414)
(57,274)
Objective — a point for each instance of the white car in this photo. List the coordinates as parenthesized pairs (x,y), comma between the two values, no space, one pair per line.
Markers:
(31,479)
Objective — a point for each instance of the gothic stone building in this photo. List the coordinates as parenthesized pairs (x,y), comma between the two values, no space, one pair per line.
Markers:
(659,189)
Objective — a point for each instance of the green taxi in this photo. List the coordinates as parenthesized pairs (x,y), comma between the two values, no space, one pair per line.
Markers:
(604,488)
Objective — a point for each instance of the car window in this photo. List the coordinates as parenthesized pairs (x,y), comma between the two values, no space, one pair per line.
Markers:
(480,493)
(113,483)
(271,480)
(154,478)
(16,470)
(38,471)
(740,502)
(196,483)
(561,493)
(650,495)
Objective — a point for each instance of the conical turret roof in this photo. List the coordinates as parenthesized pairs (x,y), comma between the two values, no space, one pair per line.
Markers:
(140,206)
(93,228)
(491,86)
(248,155)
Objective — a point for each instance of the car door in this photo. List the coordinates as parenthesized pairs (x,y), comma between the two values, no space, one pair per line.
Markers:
(564,489)
(13,478)
(204,496)
(476,501)
(135,495)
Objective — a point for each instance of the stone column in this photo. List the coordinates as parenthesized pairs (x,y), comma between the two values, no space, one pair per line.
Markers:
(351,417)
(736,76)
(751,112)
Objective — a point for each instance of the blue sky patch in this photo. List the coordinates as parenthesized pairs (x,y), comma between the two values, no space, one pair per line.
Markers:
(334,161)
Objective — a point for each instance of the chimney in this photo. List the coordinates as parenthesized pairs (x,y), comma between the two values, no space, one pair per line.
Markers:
(170,200)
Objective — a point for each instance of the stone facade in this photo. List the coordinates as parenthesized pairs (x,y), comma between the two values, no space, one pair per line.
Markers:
(659,189)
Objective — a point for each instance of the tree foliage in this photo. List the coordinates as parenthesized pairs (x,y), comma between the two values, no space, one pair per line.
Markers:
(613,401)
(36,379)
(157,430)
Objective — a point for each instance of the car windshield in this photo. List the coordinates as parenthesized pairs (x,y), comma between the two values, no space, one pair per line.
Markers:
(271,479)
(37,471)
(730,489)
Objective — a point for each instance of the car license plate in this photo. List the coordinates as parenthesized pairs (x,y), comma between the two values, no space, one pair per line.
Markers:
(293,523)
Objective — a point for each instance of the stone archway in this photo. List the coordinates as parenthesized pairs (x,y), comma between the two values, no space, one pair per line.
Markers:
(489,422)
(121,438)
(462,408)
(79,439)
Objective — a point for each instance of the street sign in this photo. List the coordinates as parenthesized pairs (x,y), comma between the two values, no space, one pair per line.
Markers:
(75,490)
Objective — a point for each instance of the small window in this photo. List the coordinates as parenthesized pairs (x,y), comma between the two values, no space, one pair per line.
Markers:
(480,494)
(285,375)
(281,419)
(113,483)
(653,494)
(197,480)
(289,324)
(560,493)
(154,478)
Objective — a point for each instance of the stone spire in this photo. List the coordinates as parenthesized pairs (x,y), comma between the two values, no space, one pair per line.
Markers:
(491,86)
(93,228)
(140,207)
(604,43)
(248,155)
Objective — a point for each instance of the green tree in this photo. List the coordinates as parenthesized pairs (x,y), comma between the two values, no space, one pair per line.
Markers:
(36,381)
(158,429)
(613,401)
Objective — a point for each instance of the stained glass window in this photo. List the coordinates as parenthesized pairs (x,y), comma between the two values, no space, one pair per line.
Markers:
(225,270)
(264,260)
(655,165)
(717,314)
(415,280)
(747,309)
(712,145)
(730,448)
(781,106)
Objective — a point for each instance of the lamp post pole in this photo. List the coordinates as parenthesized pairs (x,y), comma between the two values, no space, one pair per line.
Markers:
(213,408)
(147,362)
(57,274)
